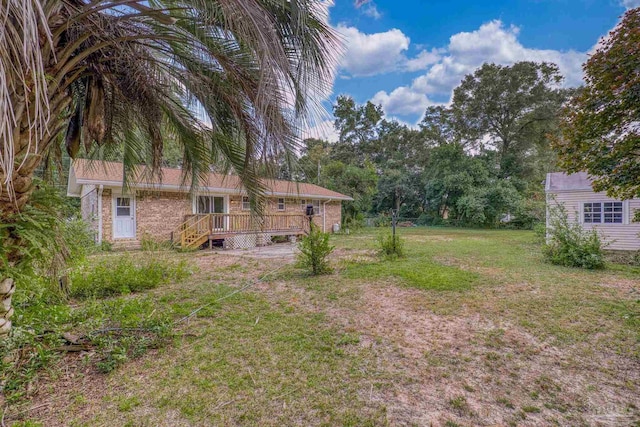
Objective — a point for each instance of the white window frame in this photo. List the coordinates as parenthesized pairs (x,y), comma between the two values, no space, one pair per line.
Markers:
(602,213)
(281,204)
(317,206)
(194,201)
(246,203)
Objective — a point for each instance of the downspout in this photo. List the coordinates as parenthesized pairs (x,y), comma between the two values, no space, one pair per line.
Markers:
(324,215)
(100,214)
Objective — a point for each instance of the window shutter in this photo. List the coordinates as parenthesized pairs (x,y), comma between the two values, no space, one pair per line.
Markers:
(625,212)
(581,213)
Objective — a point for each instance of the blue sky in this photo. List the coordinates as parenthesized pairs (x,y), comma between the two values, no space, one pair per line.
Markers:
(409,54)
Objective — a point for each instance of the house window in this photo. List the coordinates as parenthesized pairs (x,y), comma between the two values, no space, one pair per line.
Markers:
(281,205)
(316,207)
(603,213)
(303,205)
(210,204)
(123,206)
(246,204)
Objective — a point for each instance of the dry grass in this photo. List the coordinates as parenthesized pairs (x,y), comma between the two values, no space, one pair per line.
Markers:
(521,343)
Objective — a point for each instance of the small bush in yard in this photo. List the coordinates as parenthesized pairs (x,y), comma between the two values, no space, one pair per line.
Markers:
(124,274)
(569,244)
(391,246)
(314,250)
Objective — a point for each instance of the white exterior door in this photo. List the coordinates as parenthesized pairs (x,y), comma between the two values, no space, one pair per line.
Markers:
(124,221)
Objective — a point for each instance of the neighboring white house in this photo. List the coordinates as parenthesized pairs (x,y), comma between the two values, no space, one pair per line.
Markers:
(612,218)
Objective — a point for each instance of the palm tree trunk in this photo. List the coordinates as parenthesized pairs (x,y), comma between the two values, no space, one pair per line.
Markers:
(7,288)
(22,181)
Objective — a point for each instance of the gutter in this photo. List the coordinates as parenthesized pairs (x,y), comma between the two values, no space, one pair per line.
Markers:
(324,215)
(218,190)
(100,214)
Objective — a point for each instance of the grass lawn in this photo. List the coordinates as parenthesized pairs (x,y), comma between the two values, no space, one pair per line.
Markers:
(470,328)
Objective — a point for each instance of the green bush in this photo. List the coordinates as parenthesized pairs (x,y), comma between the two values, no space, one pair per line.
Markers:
(124,274)
(382,221)
(391,246)
(569,244)
(314,251)
(354,223)
(150,244)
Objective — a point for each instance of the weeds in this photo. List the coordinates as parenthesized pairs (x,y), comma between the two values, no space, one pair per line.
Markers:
(391,247)
(569,244)
(124,274)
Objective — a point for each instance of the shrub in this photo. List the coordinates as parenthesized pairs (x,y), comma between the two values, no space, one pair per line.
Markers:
(382,221)
(123,274)
(355,222)
(391,246)
(314,251)
(150,244)
(569,244)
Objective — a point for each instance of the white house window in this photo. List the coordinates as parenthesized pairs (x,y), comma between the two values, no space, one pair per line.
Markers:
(303,204)
(210,204)
(603,213)
(246,205)
(281,204)
(316,207)
(123,206)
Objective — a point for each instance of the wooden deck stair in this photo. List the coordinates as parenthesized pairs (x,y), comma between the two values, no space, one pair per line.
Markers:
(198,229)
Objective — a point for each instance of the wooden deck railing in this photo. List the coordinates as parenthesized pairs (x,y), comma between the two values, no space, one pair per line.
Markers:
(196,229)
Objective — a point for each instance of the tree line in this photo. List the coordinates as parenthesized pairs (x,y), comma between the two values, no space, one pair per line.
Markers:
(479,161)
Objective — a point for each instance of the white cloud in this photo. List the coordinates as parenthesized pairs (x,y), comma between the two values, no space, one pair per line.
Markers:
(402,101)
(370,54)
(492,42)
(323,130)
(466,51)
(630,4)
(424,59)
(372,11)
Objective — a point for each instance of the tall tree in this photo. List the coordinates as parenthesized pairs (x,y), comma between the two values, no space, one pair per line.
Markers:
(230,80)
(601,125)
(358,129)
(510,108)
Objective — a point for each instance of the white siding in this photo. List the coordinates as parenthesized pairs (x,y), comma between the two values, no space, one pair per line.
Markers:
(625,236)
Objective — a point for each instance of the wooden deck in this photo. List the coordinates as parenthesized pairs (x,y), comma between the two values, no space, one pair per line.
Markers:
(198,229)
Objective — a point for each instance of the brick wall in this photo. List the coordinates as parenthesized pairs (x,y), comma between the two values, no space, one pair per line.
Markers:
(333,215)
(160,213)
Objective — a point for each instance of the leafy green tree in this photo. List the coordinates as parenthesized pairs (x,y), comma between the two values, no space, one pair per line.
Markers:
(600,128)
(510,109)
(229,81)
(450,174)
(359,182)
(402,190)
(358,129)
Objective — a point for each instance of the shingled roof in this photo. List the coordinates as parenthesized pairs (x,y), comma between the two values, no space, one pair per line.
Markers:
(93,172)
(560,181)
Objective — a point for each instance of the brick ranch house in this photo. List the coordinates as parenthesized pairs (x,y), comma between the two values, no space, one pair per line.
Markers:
(218,212)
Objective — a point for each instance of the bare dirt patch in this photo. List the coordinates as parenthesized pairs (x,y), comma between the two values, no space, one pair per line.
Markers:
(432,369)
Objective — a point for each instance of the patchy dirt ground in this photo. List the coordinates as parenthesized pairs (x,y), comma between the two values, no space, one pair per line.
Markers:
(473,358)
